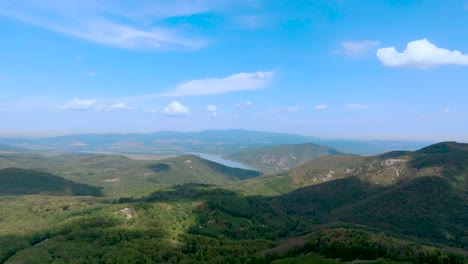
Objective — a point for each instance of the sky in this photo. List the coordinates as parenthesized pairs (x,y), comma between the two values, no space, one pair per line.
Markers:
(352,69)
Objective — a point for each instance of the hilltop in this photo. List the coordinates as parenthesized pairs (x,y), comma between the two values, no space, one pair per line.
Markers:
(282,157)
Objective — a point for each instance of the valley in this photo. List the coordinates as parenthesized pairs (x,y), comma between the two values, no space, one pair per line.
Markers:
(395,207)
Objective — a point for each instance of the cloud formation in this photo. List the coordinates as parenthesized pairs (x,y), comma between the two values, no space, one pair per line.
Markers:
(211,108)
(77,104)
(357,49)
(320,106)
(113,107)
(420,54)
(176,109)
(113,23)
(244,104)
(244,81)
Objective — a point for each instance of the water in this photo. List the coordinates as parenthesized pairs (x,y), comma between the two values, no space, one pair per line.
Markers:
(226,162)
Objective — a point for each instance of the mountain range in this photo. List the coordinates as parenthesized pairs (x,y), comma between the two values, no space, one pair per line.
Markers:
(209,141)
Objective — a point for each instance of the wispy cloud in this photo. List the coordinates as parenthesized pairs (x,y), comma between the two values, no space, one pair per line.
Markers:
(77,104)
(421,54)
(320,106)
(93,105)
(113,107)
(357,106)
(244,104)
(357,49)
(117,24)
(176,109)
(243,81)
(211,108)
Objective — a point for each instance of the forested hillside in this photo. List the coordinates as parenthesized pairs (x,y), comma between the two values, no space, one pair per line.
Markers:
(398,207)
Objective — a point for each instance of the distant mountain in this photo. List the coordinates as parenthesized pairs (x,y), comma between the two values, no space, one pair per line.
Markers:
(14,181)
(209,141)
(281,157)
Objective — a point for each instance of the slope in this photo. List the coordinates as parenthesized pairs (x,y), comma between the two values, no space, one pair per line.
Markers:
(282,157)
(421,195)
(192,169)
(14,181)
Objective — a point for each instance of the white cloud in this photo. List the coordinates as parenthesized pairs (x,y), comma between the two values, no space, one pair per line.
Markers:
(446,110)
(420,54)
(176,109)
(112,23)
(244,104)
(320,106)
(113,107)
(77,104)
(357,49)
(237,82)
(357,106)
(211,108)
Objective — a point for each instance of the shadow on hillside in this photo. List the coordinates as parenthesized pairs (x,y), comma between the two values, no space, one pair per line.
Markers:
(15,181)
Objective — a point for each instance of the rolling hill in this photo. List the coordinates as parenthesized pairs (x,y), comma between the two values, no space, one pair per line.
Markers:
(397,207)
(282,157)
(14,181)
(446,159)
(192,169)
(422,195)
(120,175)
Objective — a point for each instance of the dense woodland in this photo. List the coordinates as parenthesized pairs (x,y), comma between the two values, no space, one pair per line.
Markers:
(399,207)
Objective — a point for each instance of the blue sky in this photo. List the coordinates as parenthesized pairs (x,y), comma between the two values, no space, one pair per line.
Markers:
(336,69)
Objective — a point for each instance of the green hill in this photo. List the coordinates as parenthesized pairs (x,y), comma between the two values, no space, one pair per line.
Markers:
(397,207)
(428,208)
(14,181)
(448,159)
(281,157)
(192,169)
(421,195)
(316,171)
